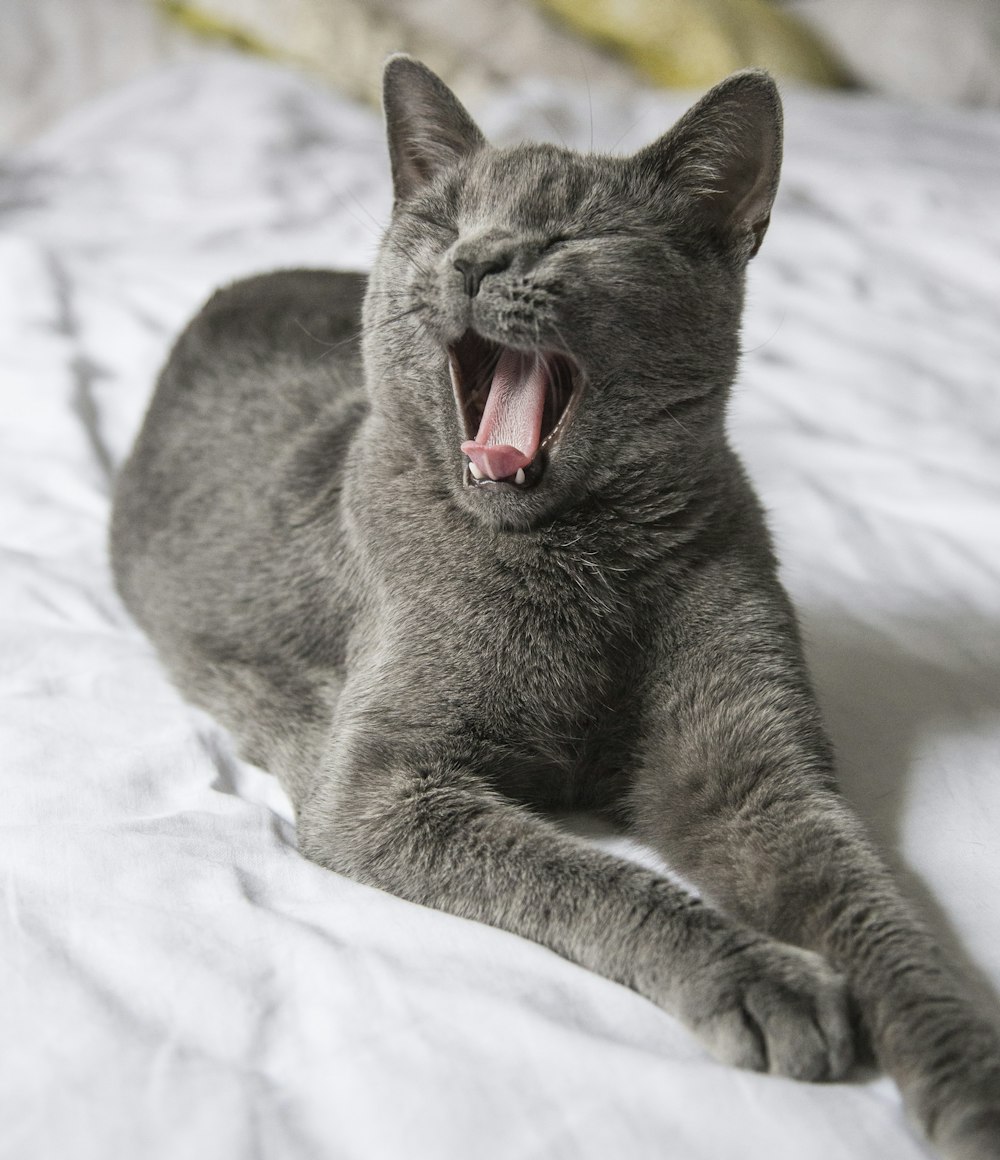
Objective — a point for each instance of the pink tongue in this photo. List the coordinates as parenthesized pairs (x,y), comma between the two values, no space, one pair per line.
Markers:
(508,435)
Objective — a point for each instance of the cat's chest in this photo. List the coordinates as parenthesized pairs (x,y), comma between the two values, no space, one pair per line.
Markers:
(536,676)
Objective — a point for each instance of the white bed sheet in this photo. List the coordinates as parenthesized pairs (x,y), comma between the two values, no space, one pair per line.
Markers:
(176,981)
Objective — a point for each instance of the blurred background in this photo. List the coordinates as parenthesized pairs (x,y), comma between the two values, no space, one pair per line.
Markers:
(55,54)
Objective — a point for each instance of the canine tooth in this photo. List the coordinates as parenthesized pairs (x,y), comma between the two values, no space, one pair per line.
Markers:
(519,477)
(476,473)
(453,373)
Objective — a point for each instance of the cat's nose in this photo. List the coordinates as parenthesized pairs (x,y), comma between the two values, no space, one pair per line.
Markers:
(474,270)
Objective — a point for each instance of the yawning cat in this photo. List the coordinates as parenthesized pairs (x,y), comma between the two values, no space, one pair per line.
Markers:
(497,555)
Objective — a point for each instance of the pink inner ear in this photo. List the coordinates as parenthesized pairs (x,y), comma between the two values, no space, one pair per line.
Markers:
(753,176)
(509,433)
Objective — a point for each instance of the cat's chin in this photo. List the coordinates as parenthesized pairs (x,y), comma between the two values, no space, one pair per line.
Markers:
(510,507)
(515,405)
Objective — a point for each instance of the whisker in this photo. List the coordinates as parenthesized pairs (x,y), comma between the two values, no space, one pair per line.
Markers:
(540,110)
(340,200)
(380,226)
(637,121)
(566,349)
(308,333)
(590,96)
(770,337)
(355,335)
(670,415)
(419,266)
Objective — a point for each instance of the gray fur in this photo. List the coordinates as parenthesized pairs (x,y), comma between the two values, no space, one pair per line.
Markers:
(424,662)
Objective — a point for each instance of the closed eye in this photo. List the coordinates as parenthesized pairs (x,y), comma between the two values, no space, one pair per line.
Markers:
(436,222)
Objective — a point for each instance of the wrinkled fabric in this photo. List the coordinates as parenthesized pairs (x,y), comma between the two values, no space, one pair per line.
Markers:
(175,980)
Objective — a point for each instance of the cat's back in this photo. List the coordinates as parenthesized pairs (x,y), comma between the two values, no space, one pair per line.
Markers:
(261,358)
(269,369)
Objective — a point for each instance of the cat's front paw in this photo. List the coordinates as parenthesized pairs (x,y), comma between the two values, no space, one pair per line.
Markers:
(961,1111)
(770,1007)
(945,1055)
(975,1137)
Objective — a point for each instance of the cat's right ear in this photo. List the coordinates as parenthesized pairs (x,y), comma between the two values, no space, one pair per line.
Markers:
(427,127)
(720,163)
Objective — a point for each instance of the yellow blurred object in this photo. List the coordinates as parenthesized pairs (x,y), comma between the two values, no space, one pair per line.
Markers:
(694,43)
(479,45)
(203,24)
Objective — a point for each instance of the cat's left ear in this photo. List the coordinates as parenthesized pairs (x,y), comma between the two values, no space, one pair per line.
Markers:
(427,127)
(723,157)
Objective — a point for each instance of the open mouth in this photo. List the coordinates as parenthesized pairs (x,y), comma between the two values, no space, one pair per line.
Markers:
(515,406)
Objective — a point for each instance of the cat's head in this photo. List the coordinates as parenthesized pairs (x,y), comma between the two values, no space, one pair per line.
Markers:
(538,320)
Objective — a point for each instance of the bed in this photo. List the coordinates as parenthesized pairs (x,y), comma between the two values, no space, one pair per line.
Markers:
(176,981)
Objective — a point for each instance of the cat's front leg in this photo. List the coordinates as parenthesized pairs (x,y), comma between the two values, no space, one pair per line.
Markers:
(399,811)
(736,790)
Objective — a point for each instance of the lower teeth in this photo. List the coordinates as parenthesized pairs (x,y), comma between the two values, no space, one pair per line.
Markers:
(478,475)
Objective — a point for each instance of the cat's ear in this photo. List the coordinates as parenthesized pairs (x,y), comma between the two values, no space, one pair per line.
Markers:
(427,127)
(723,158)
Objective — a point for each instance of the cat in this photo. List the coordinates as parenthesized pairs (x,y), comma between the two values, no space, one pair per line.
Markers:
(496,556)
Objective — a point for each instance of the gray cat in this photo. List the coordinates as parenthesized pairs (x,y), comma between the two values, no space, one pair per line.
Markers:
(498,556)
